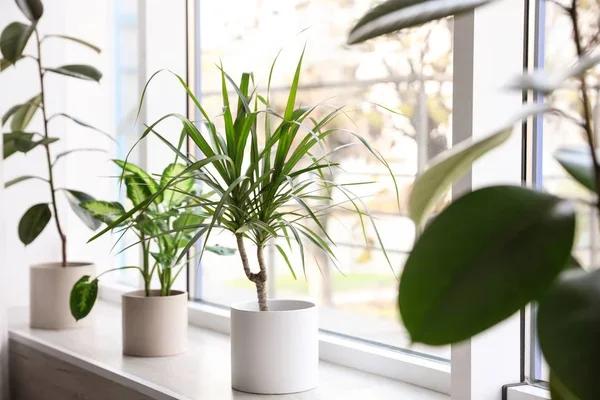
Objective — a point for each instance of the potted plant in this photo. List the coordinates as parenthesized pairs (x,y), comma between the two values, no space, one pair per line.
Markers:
(154,320)
(514,244)
(50,283)
(265,171)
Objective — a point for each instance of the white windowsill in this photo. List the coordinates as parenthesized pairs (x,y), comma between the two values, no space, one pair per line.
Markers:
(528,392)
(202,372)
(379,360)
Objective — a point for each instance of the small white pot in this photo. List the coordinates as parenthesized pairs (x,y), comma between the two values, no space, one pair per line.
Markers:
(50,287)
(154,326)
(275,351)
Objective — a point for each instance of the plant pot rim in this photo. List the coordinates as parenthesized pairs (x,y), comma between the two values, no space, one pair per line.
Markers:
(70,264)
(140,294)
(276,306)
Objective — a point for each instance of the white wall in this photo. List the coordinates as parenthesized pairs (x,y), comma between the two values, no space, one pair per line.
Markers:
(86,100)
(94,103)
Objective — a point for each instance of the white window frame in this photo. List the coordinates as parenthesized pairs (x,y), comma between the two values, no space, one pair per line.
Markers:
(484,61)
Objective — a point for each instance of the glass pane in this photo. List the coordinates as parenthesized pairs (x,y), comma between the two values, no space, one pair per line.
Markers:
(558,132)
(126,30)
(410,74)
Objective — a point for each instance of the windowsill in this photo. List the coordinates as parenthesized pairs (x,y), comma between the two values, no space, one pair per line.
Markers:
(527,392)
(202,372)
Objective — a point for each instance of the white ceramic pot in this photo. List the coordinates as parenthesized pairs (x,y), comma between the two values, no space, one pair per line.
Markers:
(275,351)
(154,326)
(50,287)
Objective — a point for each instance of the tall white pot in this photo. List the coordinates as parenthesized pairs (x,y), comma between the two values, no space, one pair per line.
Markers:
(50,287)
(275,351)
(154,326)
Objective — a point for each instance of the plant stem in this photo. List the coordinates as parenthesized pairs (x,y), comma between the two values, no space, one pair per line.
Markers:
(147,277)
(587,113)
(261,287)
(258,278)
(63,237)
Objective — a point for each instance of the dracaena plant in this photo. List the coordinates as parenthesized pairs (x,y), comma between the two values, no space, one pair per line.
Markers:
(22,138)
(163,228)
(514,244)
(265,170)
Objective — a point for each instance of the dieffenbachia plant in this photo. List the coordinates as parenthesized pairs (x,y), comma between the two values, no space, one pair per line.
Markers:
(21,138)
(511,245)
(162,230)
(265,171)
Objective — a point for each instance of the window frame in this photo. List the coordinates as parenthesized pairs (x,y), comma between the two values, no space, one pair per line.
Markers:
(356,353)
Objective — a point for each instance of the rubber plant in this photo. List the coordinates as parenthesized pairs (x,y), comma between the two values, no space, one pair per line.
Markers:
(264,170)
(161,230)
(514,243)
(21,138)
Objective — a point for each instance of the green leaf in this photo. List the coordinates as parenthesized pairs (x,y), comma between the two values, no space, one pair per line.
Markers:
(184,184)
(79,71)
(431,186)
(22,116)
(32,9)
(83,296)
(17,141)
(137,190)
(75,199)
(545,82)
(4,64)
(558,391)
(84,124)
(10,113)
(76,40)
(395,15)
(33,222)
(287,260)
(104,211)
(23,178)
(22,142)
(569,328)
(13,40)
(220,250)
(578,163)
(72,151)
(539,81)
(502,246)
(189,220)
(149,182)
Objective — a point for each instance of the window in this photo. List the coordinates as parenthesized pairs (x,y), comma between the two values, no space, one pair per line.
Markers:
(411,74)
(556,52)
(126,36)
